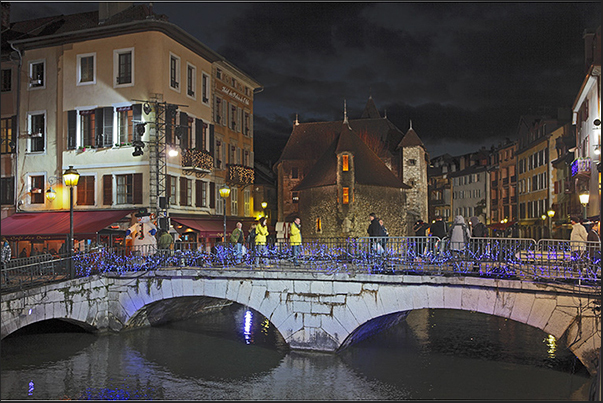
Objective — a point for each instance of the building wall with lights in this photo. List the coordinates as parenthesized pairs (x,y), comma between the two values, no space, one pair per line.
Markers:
(503,184)
(586,168)
(82,93)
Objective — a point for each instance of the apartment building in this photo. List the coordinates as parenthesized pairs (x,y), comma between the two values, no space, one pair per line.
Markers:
(149,117)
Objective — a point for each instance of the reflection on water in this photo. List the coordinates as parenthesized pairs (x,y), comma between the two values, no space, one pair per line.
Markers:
(236,354)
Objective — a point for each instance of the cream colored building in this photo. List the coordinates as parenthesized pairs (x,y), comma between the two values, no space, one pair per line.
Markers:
(113,99)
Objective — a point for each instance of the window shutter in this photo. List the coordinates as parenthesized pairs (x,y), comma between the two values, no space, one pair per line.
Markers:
(108,189)
(71,122)
(199,140)
(108,127)
(198,193)
(168,188)
(212,195)
(98,128)
(182,191)
(184,139)
(137,188)
(211,141)
(137,112)
(224,113)
(239,118)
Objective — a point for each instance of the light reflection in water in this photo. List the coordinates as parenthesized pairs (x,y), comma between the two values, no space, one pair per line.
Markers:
(551,343)
(247,326)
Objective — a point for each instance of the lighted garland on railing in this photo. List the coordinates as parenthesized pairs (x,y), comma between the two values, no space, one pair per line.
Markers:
(240,174)
(197,159)
(493,258)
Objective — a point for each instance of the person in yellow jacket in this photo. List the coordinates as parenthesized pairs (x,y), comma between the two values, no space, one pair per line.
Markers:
(295,239)
(261,233)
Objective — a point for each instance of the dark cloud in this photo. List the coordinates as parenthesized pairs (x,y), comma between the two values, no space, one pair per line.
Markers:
(462,72)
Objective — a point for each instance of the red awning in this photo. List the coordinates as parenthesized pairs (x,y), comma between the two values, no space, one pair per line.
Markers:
(46,224)
(212,227)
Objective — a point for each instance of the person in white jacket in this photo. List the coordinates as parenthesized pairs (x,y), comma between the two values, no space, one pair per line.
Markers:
(578,237)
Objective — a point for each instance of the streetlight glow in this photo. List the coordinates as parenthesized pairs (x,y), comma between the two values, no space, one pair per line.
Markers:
(71,177)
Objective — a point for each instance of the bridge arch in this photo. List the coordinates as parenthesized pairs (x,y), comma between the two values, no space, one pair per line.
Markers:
(315,311)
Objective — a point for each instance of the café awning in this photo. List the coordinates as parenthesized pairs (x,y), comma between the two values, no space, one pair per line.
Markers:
(46,225)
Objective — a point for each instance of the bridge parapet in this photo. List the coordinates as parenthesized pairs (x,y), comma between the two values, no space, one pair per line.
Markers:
(311,310)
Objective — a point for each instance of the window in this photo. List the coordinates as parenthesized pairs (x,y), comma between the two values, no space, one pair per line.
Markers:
(36,188)
(220,154)
(191,79)
(87,128)
(233,117)
(234,202)
(412,162)
(36,131)
(345,165)
(218,111)
(185,192)
(247,123)
(7,79)
(123,60)
(201,193)
(36,74)
(129,188)
(246,202)
(86,69)
(7,190)
(219,73)
(85,191)
(205,87)
(171,189)
(125,127)
(295,197)
(8,135)
(294,173)
(174,72)
(346,195)
(318,224)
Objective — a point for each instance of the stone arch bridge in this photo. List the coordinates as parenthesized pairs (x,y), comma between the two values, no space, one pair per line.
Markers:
(311,310)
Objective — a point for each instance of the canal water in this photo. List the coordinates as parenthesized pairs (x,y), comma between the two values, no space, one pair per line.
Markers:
(236,354)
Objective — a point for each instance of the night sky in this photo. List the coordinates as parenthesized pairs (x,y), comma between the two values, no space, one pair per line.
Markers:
(463,73)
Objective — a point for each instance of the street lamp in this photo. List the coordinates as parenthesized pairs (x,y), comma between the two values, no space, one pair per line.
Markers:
(224,193)
(584,196)
(551,214)
(264,205)
(51,194)
(71,177)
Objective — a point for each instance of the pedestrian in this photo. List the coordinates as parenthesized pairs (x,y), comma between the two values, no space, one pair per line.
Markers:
(261,234)
(438,228)
(237,238)
(384,234)
(374,231)
(594,242)
(420,227)
(295,239)
(7,253)
(459,234)
(165,241)
(251,239)
(478,228)
(578,236)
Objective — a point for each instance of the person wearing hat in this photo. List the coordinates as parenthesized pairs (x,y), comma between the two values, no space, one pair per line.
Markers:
(143,233)
(578,236)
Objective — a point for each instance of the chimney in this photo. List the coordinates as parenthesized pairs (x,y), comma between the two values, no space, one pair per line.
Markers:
(5,15)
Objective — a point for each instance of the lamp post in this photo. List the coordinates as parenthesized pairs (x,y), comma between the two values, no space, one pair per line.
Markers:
(71,177)
(584,196)
(264,205)
(551,214)
(224,193)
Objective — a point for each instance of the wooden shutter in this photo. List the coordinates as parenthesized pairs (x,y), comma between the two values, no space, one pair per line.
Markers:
(85,191)
(212,195)
(198,193)
(71,125)
(184,131)
(199,138)
(211,141)
(98,128)
(137,188)
(168,188)
(108,127)
(182,191)
(108,189)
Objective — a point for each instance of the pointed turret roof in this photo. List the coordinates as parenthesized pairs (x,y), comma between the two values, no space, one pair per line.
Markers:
(370,110)
(411,139)
(368,167)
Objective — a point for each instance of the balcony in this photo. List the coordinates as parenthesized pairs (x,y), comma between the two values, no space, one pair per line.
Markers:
(581,167)
(240,175)
(197,161)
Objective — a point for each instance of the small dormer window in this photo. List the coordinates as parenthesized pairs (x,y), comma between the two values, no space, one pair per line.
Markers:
(345,163)
(412,162)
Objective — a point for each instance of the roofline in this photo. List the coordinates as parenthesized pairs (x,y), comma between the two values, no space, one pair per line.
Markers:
(106,31)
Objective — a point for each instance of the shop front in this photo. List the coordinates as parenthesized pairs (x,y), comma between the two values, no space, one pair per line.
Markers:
(31,234)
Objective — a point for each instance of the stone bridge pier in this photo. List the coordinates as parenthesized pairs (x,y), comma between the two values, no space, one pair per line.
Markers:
(311,310)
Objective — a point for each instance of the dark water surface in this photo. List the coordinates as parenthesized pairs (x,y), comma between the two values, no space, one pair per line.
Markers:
(237,355)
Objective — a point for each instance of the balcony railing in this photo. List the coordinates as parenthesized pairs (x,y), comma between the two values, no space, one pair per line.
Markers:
(240,174)
(581,167)
(197,160)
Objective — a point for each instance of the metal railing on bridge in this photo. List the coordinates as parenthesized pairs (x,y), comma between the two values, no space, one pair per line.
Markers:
(519,258)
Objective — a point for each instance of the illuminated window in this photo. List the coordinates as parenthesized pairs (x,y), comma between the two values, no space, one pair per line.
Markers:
(124,124)
(318,225)
(345,163)
(295,197)
(346,195)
